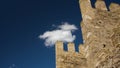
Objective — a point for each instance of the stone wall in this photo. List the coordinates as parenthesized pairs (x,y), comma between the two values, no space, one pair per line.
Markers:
(101,35)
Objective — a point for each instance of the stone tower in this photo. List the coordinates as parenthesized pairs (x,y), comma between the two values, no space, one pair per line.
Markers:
(101,35)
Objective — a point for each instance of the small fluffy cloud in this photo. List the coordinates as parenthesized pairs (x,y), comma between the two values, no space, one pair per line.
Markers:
(63,33)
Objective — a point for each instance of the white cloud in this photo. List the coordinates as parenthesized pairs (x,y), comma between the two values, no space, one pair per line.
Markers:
(68,27)
(64,33)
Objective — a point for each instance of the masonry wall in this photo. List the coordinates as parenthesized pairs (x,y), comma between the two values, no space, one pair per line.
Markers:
(101,35)
(68,59)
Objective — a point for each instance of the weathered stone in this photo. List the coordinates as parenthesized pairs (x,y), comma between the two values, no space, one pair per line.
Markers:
(101,35)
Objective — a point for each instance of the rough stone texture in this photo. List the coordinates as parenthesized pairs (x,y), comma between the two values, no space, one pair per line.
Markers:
(101,35)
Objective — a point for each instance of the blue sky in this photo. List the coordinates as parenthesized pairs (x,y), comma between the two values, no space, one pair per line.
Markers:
(22,21)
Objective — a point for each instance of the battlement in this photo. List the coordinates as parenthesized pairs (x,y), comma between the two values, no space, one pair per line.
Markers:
(87,5)
(88,12)
(70,47)
(64,59)
(101,36)
(60,47)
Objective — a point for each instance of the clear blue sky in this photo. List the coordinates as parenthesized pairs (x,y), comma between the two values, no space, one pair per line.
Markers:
(22,21)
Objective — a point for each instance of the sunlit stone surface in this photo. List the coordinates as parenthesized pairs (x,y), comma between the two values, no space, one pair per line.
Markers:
(101,33)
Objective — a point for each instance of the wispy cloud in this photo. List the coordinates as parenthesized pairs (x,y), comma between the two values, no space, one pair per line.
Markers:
(67,27)
(62,33)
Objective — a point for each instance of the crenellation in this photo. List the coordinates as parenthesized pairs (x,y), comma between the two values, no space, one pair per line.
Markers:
(68,59)
(71,47)
(59,47)
(101,36)
(86,7)
(100,4)
(113,7)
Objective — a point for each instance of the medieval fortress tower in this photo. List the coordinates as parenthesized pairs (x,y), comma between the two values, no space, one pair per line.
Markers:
(101,35)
